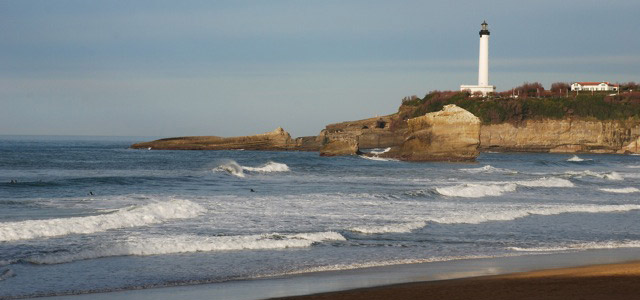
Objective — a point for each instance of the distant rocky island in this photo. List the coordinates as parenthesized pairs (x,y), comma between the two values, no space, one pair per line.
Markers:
(456,126)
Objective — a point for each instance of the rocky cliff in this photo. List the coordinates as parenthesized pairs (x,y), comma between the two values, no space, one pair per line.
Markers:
(564,135)
(278,139)
(347,138)
(452,134)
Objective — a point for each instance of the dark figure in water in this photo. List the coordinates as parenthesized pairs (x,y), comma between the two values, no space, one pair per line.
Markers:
(90,193)
(253,191)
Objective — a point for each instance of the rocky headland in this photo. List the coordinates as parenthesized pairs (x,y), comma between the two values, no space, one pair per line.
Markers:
(451,134)
(452,126)
(277,140)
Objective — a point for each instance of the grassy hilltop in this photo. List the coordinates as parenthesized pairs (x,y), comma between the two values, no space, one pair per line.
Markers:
(533,102)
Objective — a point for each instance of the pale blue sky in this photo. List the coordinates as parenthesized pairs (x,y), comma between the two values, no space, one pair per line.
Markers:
(170,68)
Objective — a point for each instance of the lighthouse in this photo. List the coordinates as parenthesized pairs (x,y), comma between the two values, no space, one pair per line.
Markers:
(483,65)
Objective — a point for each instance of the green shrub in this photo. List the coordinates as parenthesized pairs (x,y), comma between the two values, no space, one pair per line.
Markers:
(498,110)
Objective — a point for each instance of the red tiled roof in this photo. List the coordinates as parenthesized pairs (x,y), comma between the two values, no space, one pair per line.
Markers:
(594,83)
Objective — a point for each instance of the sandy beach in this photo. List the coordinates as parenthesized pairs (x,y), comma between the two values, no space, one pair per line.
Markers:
(610,281)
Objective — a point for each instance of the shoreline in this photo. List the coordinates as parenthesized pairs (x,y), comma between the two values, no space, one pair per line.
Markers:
(605,281)
(375,280)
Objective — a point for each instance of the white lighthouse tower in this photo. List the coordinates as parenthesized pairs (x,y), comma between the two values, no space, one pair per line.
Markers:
(483,66)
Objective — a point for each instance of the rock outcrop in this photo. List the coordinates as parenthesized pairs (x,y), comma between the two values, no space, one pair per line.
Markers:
(561,136)
(633,147)
(278,139)
(340,147)
(378,132)
(452,134)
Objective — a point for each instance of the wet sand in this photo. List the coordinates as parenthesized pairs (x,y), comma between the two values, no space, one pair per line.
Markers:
(609,274)
(611,281)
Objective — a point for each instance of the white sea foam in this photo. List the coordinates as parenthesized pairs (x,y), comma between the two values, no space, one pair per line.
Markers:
(576,158)
(389,228)
(141,246)
(582,246)
(507,214)
(376,158)
(380,151)
(237,170)
(232,168)
(603,175)
(360,265)
(470,190)
(489,169)
(474,190)
(627,190)
(134,216)
(268,167)
(546,182)
(376,155)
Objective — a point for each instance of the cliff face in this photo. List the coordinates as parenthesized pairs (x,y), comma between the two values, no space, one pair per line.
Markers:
(452,134)
(347,138)
(378,132)
(278,139)
(564,136)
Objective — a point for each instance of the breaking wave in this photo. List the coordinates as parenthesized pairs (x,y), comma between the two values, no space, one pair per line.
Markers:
(135,216)
(547,182)
(582,246)
(374,154)
(237,170)
(489,169)
(471,190)
(268,167)
(390,228)
(509,215)
(575,158)
(232,168)
(380,151)
(627,190)
(142,246)
(376,158)
(474,190)
(609,176)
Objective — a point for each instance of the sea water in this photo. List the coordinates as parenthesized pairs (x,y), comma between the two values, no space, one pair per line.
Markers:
(82,215)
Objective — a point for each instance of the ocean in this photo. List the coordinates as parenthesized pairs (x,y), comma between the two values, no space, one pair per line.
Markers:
(83,215)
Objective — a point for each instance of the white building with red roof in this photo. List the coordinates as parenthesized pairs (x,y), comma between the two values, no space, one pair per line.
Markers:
(604,86)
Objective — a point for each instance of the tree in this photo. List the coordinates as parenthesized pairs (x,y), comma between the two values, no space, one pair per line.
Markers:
(527,89)
(560,88)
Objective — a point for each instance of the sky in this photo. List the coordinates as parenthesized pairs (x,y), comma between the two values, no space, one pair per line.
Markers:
(228,68)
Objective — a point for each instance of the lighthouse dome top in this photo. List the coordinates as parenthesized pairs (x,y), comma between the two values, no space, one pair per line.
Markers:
(485,29)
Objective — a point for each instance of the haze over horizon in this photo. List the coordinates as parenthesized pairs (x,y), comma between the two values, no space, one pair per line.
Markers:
(165,68)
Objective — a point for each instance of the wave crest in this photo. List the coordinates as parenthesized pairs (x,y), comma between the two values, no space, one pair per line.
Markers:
(547,182)
(627,190)
(581,246)
(135,216)
(470,190)
(610,176)
(474,190)
(269,167)
(389,228)
(142,246)
(489,170)
(237,170)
